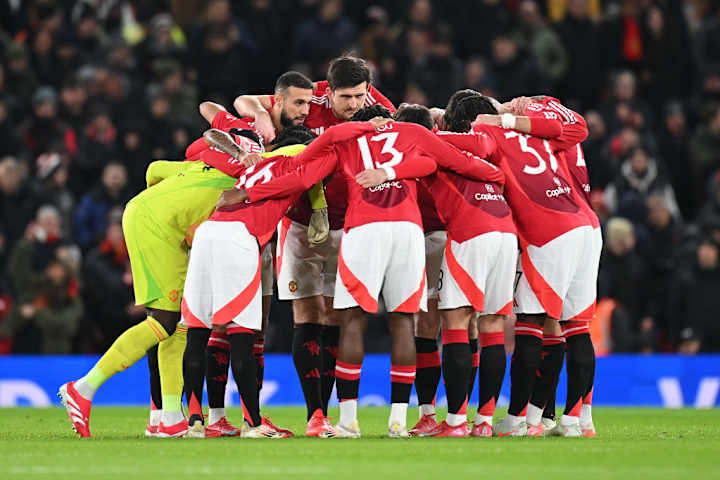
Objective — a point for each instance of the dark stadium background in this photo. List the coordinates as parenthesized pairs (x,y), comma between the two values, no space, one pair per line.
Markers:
(92,91)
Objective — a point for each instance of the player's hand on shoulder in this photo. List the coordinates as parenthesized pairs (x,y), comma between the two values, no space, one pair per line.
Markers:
(518,105)
(371,177)
(231,197)
(484,119)
(380,121)
(250,159)
(265,127)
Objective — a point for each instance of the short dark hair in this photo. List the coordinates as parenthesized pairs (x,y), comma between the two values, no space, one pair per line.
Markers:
(292,79)
(454,99)
(414,113)
(297,134)
(348,71)
(370,112)
(461,116)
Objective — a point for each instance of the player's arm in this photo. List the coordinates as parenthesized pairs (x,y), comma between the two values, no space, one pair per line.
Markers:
(542,127)
(412,166)
(225,143)
(471,166)
(209,110)
(159,170)
(257,107)
(312,165)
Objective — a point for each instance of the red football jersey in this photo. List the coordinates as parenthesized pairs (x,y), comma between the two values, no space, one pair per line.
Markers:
(468,207)
(543,203)
(200,151)
(320,118)
(260,218)
(431,220)
(405,150)
(573,155)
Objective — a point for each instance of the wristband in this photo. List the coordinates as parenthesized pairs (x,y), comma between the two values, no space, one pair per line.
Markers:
(508,120)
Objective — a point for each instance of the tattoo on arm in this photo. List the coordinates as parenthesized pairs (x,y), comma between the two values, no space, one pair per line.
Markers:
(223,142)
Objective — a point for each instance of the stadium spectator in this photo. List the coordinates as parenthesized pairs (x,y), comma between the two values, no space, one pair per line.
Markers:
(673,147)
(658,240)
(710,211)
(514,72)
(20,78)
(16,200)
(98,143)
(623,277)
(695,298)
(33,253)
(534,36)
(44,127)
(9,140)
(48,322)
(580,37)
(639,177)
(324,36)
(73,104)
(705,147)
(51,188)
(92,212)
(602,165)
(440,72)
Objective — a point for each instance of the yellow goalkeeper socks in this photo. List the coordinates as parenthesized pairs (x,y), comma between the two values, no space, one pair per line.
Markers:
(170,357)
(129,347)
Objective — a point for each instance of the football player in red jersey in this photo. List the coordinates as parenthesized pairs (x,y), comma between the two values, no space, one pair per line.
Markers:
(384,217)
(575,332)
(555,233)
(478,271)
(306,272)
(427,324)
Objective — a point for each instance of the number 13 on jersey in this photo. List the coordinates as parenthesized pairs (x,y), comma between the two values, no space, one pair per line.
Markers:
(388,147)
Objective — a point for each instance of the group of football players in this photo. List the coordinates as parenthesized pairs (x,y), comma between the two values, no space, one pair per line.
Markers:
(456,218)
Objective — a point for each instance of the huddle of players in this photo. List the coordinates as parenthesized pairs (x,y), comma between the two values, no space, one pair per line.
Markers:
(536,159)
(534,165)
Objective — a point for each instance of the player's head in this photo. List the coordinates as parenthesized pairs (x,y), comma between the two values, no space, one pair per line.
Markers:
(454,99)
(295,135)
(293,92)
(461,116)
(348,82)
(370,112)
(414,113)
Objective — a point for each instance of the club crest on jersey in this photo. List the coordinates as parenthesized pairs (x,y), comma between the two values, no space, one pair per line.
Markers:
(386,194)
(292,286)
(173,296)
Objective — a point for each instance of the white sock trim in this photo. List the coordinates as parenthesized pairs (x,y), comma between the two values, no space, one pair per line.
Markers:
(215,415)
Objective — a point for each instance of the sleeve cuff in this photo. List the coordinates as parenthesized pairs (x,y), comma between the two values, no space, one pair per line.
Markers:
(390,172)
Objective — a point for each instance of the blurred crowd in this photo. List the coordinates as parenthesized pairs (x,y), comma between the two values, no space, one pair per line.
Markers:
(91,91)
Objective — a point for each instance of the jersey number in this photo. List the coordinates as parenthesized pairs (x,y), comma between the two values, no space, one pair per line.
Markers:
(542,165)
(390,138)
(250,177)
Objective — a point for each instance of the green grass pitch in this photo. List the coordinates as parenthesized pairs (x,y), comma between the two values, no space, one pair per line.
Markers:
(631,443)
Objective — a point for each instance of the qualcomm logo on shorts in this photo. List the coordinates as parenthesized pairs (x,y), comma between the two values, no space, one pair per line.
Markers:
(672,397)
